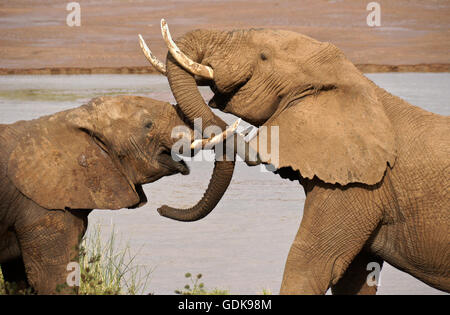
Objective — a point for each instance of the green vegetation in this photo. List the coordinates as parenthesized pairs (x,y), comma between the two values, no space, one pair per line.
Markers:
(266,292)
(11,288)
(104,269)
(198,288)
(2,285)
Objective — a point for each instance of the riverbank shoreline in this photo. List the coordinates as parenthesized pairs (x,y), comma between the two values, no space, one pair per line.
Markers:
(365,68)
(36,39)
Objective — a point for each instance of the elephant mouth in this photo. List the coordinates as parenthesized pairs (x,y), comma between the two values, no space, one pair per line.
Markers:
(220,100)
(173,166)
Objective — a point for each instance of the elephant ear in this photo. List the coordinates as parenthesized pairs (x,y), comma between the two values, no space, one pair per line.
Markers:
(340,135)
(60,166)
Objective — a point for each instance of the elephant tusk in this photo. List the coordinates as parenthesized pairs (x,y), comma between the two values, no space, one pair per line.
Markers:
(211,142)
(187,63)
(161,67)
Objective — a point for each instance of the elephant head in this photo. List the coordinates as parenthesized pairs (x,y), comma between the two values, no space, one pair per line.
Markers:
(98,155)
(224,166)
(331,119)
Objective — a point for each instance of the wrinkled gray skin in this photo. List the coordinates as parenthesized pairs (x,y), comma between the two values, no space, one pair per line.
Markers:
(375,169)
(54,169)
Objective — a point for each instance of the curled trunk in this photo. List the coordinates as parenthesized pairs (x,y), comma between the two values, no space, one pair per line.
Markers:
(191,103)
(218,184)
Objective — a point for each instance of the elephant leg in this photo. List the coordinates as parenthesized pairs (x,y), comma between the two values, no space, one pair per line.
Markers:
(14,275)
(354,280)
(48,245)
(335,226)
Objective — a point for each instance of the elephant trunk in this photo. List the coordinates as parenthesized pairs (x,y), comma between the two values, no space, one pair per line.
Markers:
(184,85)
(218,184)
(191,103)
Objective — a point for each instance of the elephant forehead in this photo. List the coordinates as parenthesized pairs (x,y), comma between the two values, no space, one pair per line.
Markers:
(108,107)
(130,107)
(150,107)
(285,41)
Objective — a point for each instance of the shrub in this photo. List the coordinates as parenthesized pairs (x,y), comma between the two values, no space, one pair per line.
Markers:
(198,288)
(104,270)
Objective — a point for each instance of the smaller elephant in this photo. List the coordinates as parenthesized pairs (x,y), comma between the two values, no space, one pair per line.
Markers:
(54,170)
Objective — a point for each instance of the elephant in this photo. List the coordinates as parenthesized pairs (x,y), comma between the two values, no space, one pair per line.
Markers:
(54,170)
(374,168)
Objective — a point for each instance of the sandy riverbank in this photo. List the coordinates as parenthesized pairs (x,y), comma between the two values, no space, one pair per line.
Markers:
(366,68)
(34,37)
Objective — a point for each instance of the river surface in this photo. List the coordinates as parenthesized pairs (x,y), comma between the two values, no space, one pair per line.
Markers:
(243,244)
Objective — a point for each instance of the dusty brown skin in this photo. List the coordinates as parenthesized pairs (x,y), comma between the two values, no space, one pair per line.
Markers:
(54,169)
(375,169)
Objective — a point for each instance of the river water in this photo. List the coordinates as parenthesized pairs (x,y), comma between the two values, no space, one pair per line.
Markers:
(243,244)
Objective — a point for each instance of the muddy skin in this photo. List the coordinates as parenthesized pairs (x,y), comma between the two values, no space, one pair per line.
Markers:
(55,169)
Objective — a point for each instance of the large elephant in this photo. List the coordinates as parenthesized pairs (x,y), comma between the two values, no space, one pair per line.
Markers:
(55,169)
(374,168)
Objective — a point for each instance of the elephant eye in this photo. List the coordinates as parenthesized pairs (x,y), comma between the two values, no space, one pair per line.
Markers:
(263,56)
(148,124)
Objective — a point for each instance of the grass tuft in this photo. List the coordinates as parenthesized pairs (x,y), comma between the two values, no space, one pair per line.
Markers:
(104,269)
(2,285)
(266,292)
(198,288)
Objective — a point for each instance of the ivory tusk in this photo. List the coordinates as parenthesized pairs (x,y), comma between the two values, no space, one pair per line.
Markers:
(187,63)
(209,143)
(161,67)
